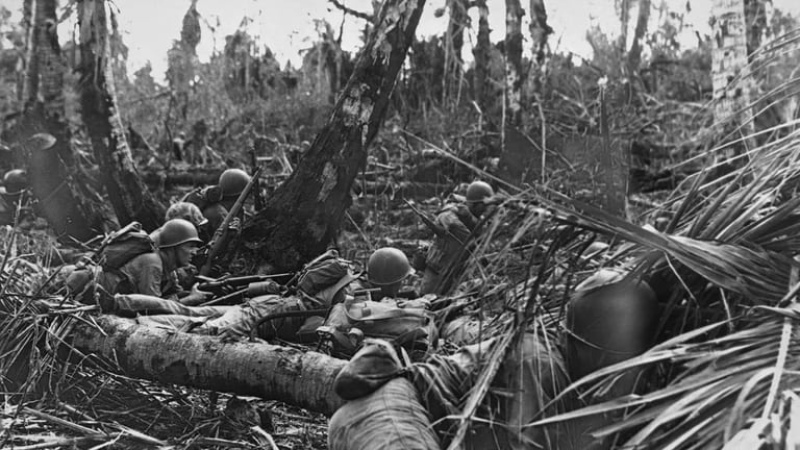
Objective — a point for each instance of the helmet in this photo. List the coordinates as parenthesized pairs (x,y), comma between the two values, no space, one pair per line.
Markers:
(15,181)
(233,181)
(186,211)
(478,190)
(176,232)
(387,266)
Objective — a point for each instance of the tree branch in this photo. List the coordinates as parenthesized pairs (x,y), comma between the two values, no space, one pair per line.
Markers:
(352,12)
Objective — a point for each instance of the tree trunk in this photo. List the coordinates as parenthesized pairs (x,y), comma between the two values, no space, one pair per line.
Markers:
(128,194)
(456,26)
(540,30)
(55,178)
(729,70)
(304,214)
(513,47)
(624,18)
(304,379)
(454,43)
(481,55)
(635,54)
(758,17)
(28,86)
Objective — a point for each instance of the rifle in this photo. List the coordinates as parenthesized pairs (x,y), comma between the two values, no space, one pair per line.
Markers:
(406,293)
(218,240)
(218,286)
(439,231)
(252,290)
(258,202)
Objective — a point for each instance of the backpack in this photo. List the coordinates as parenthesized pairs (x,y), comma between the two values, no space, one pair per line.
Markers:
(405,324)
(123,245)
(324,272)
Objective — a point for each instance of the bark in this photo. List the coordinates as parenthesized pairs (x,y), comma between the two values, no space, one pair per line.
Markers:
(540,30)
(304,214)
(758,15)
(128,194)
(29,84)
(729,71)
(55,178)
(481,55)
(513,47)
(624,18)
(635,54)
(456,26)
(454,43)
(304,379)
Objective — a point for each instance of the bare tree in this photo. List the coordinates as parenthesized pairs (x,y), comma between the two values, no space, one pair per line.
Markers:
(304,214)
(481,55)
(128,194)
(454,44)
(56,179)
(635,53)
(513,50)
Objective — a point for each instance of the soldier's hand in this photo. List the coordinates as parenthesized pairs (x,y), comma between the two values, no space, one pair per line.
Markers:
(196,296)
(235,224)
(197,292)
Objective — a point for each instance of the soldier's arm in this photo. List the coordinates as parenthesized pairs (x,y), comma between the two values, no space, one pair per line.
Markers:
(454,227)
(150,281)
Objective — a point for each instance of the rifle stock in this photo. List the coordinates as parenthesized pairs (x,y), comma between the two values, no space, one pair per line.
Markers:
(220,233)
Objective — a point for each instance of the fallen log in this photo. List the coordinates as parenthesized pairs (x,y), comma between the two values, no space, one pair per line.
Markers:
(161,180)
(402,189)
(303,379)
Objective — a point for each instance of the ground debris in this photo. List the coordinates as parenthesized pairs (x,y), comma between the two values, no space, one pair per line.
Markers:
(115,412)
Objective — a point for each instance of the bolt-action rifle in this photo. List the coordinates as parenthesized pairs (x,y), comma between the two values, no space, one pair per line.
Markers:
(221,233)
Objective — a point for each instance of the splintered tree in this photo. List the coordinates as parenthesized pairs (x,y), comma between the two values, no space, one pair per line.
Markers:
(513,50)
(55,177)
(304,214)
(128,194)
(729,61)
(454,43)
(481,55)
(635,54)
(539,30)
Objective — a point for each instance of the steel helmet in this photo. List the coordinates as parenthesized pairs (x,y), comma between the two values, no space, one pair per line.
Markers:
(15,181)
(478,190)
(176,232)
(186,211)
(387,266)
(233,181)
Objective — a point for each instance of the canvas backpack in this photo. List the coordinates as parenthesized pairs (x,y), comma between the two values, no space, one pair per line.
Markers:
(406,324)
(123,245)
(325,276)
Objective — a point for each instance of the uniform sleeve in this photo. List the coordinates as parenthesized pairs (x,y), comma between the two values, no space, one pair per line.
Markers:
(454,226)
(150,281)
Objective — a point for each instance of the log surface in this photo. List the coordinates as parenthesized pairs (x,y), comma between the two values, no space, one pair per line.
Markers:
(303,379)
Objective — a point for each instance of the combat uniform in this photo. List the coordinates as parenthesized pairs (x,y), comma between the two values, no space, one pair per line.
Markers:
(455,223)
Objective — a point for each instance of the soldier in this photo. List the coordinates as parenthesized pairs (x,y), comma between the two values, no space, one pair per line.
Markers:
(216,201)
(186,211)
(387,268)
(455,223)
(183,277)
(400,321)
(148,272)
